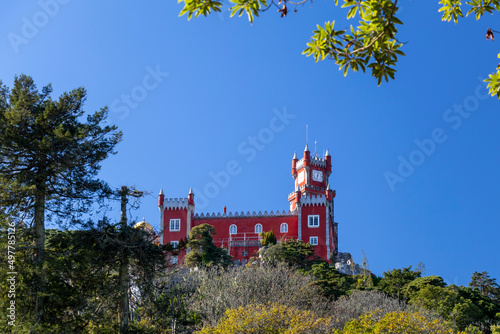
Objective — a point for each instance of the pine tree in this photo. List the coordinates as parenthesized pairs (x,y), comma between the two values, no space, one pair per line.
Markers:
(49,159)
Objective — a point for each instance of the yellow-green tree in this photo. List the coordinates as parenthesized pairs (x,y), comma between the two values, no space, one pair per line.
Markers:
(270,318)
(396,322)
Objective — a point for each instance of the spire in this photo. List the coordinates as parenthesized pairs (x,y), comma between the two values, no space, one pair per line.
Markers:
(306,149)
(295,155)
(161,192)
(328,186)
(327,154)
(190,191)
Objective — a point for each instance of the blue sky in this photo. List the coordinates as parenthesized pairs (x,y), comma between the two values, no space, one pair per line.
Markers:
(190,96)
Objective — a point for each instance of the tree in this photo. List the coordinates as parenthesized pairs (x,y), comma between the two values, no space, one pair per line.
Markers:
(420,283)
(462,307)
(395,280)
(268,238)
(203,252)
(332,283)
(49,159)
(270,318)
(396,322)
(220,290)
(487,286)
(372,44)
(293,252)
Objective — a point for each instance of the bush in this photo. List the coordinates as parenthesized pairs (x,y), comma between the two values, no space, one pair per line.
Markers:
(362,302)
(271,318)
(396,322)
(233,288)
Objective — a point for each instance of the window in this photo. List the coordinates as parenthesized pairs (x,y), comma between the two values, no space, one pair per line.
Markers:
(284,228)
(175,224)
(313,221)
(174,259)
(244,253)
(258,228)
(313,240)
(174,244)
(233,229)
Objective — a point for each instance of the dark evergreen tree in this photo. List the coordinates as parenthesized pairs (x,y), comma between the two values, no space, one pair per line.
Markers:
(49,160)
(203,251)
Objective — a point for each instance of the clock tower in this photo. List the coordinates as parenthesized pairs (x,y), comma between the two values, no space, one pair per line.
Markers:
(313,201)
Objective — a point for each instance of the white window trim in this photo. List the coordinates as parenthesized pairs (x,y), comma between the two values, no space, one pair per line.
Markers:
(311,241)
(311,217)
(284,228)
(235,229)
(174,221)
(174,244)
(174,260)
(258,225)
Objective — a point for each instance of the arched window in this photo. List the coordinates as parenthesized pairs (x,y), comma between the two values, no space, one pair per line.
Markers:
(233,229)
(284,228)
(258,228)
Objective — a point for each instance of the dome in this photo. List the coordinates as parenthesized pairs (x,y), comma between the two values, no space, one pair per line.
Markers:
(144,225)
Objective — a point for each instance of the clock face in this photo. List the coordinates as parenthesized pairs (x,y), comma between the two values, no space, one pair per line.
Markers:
(317,175)
(300,178)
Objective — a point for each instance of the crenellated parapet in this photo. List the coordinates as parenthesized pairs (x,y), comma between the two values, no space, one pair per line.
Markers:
(317,161)
(175,203)
(313,200)
(245,215)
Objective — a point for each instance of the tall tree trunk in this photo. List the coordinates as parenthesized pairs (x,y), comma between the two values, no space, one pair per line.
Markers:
(124,277)
(39,228)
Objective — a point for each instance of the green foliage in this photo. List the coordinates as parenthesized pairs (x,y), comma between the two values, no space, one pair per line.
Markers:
(420,283)
(251,7)
(47,153)
(494,83)
(331,283)
(452,9)
(203,251)
(485,285)
(268,238)
(460,306)
(294,253)
(167,306)
(372,44)
(199,7)
(495,329)
(394,281)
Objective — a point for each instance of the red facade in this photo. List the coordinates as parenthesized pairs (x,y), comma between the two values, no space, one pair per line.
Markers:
(310,217)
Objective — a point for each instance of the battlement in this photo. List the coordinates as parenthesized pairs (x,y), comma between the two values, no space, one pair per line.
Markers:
(317,161)
(311,200)
(243,215)
(175,203)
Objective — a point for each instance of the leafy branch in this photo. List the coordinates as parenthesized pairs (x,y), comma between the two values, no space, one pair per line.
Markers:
(372,44)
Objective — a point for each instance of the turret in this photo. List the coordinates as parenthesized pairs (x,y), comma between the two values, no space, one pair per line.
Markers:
(191,197)
(330,194)
(161,198)
(328,160)
(307,156)
(294,165)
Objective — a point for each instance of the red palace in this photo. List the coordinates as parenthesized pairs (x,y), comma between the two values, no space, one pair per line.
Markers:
(310,217)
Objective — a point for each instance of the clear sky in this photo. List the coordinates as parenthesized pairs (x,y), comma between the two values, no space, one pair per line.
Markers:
(191,96)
